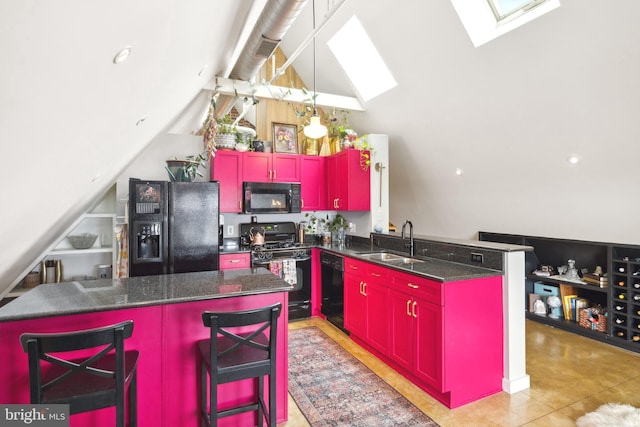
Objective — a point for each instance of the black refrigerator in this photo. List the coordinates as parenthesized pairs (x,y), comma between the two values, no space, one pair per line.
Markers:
(173,227)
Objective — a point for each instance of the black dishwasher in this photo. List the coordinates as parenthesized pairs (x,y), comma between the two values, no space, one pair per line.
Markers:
(332,271)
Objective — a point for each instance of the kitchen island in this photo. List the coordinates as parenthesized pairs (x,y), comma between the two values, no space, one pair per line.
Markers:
(166,311)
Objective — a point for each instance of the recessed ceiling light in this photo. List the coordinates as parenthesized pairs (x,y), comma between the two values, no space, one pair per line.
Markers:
(459,172)
(122,55)
(573,160)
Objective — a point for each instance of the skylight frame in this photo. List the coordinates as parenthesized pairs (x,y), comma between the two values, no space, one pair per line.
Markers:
(353,48)
(513,13)
(482,26)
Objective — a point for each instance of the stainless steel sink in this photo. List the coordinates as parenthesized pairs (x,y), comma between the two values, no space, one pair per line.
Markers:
(381,256)
(390,258)
(406,260)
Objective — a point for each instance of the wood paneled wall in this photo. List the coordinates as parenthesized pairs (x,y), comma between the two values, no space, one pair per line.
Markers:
(274,111)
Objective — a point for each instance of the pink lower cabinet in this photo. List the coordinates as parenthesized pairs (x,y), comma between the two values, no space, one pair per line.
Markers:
(366,295)
(444,337)
(234,261)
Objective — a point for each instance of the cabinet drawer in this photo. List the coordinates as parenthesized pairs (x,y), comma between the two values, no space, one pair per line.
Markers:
(366,270)
(427,289)
(232,261)
(354,266)
(377,273)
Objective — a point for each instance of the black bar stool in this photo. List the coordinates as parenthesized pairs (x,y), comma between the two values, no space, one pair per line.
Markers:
(95,381)
(238,356)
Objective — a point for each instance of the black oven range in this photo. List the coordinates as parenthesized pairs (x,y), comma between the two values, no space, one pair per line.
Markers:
(276,249)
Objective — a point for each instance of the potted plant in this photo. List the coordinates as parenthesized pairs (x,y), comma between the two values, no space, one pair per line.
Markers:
(325,228)
(188,169)
(225,133)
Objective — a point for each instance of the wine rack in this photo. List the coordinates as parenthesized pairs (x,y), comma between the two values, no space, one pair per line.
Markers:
(625,295)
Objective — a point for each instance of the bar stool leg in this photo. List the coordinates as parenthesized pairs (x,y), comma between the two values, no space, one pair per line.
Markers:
(133,398)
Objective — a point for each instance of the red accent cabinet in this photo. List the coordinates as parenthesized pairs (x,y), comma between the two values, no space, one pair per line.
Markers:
(367,296)
(234,261)
(446,337)
(347,182)
(268,167)
(227,169)
(312,183)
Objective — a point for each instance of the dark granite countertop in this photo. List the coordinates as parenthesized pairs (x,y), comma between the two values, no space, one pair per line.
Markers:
(431,268)
(56,299)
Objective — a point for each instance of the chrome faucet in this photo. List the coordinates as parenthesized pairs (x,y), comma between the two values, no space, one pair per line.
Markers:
(409,245)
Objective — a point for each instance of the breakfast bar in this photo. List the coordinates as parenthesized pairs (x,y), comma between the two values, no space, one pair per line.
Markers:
(166,311)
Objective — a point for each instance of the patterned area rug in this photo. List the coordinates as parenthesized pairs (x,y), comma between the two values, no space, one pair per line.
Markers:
(333,388)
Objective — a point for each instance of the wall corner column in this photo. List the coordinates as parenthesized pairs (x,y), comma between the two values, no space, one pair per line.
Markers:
(515,377)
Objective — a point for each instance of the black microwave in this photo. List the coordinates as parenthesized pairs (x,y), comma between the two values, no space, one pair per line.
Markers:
(271,197)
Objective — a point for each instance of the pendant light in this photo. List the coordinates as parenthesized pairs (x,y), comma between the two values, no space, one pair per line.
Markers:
(314,129)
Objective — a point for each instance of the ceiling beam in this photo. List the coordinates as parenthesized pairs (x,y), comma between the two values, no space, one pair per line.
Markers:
(236,88)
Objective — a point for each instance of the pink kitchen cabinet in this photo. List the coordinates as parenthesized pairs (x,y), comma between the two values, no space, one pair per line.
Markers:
(268,167)
(446,337)
(313,184)
(416,341)
(347,182)
(235,261)
(227,169)
(355,313)
(366,297)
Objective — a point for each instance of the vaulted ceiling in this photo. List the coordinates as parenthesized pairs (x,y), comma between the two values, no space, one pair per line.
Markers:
(507,113)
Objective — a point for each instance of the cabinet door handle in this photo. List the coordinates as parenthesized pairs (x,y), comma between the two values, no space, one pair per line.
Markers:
(411,285)
(376,275)
(364,288)
(302,203)
(233,261)
(275,174)
(353,267)
(361,287)
(413,309)
(408,310)
(269,174)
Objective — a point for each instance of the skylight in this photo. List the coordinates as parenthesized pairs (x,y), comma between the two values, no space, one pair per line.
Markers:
(486,20)
(504,9)
(352,48)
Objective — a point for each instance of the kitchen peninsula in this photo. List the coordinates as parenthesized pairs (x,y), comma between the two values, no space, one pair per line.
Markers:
(166,311)
(462,259)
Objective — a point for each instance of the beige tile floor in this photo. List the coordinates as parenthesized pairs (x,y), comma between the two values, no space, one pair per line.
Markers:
(570,376)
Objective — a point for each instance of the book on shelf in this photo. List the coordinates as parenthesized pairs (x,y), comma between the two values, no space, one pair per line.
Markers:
(595,279)
(567,307)
(577,304)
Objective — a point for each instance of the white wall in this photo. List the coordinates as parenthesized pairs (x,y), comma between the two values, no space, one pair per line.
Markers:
(508,114)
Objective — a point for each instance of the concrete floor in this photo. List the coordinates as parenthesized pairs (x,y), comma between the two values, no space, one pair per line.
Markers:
(570,376)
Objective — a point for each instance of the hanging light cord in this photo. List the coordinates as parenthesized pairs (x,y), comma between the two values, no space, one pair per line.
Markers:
(315,112)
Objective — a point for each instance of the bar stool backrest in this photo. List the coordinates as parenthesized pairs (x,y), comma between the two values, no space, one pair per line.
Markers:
(41,348)
(243,344)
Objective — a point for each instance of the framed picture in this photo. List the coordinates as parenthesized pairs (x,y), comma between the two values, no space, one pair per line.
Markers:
(285,138)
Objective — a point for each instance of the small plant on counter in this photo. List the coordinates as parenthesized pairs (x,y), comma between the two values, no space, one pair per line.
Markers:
(336,223)
(315,225)
(319,225)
